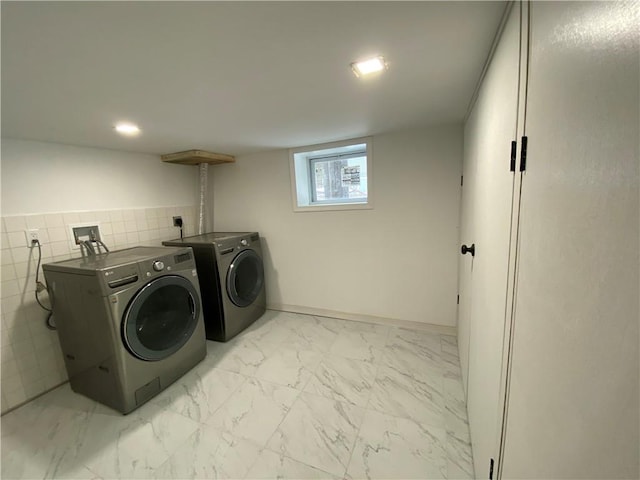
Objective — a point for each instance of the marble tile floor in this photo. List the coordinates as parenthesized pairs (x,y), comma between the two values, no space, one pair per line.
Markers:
(294,396)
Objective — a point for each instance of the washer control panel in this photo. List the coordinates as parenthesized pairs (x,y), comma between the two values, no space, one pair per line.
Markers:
(158,265)
(166,264)
(123,269)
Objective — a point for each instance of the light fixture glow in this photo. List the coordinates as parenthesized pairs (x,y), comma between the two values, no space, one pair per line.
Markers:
(367,67)
(128,129)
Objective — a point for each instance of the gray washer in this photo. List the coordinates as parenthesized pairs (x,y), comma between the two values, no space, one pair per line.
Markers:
(130,322)
(231,274)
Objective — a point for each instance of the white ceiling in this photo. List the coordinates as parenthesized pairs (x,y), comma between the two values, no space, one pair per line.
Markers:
(236,77)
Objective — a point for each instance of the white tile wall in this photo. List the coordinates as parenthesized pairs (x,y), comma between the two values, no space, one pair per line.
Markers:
(31,359)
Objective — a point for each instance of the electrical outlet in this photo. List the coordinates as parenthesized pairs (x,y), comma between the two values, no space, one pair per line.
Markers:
(177,221)
(31,236)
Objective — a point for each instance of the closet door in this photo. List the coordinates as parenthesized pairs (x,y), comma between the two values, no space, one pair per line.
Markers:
(573,397)
(488,194)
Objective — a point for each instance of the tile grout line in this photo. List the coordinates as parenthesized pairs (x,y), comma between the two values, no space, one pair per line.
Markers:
(264,447)
(366,407)
(300,392)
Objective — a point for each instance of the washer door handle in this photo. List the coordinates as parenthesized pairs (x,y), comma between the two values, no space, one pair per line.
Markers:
(192,306)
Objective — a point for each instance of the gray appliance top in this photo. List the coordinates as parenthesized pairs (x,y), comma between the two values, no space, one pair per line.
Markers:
(207,238)
(111,259)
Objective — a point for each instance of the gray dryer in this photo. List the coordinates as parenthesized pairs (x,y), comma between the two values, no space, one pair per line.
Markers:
(231,274)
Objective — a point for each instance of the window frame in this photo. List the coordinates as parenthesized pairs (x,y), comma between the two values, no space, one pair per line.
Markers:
(313,160)
(303,181)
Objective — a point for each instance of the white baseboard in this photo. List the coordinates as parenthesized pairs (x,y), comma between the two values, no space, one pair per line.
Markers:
(356,317)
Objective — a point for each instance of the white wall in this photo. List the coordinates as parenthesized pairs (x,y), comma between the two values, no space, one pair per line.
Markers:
(397,260)
(40,177)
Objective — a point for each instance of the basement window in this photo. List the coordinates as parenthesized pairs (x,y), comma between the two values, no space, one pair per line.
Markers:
(332,176)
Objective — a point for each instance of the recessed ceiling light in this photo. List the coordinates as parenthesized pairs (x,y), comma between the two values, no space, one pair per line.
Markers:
(369,66)
(128,129)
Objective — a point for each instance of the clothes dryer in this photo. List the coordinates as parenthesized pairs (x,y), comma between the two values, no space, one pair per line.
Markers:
(231,275)
(129,322)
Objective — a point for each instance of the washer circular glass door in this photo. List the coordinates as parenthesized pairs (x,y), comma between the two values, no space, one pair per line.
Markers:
(245,278)
(161,317)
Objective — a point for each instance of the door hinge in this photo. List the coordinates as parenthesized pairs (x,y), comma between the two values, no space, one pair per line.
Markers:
(514,147)
(491,469)
(461,180)
(458,300)
(523,155)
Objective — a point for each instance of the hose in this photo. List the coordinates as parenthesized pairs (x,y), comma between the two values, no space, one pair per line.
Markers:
(49,321)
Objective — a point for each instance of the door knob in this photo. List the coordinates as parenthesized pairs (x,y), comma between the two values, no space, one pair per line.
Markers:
(471,249)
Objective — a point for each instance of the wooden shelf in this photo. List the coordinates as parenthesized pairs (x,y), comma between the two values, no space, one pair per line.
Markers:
(195,157)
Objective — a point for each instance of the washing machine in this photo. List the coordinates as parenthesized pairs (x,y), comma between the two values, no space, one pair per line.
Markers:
(231,275)
(129,322)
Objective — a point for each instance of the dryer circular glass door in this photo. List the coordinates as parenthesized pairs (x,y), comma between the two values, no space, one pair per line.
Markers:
(245,278)
(161,317)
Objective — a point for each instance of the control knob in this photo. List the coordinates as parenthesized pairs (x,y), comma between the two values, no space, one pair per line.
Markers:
(244,242)
(158,266)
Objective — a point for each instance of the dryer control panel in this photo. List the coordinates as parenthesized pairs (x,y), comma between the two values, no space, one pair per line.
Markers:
(230,244)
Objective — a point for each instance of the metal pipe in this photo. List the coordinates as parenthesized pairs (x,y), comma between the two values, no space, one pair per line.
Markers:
(204,168)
